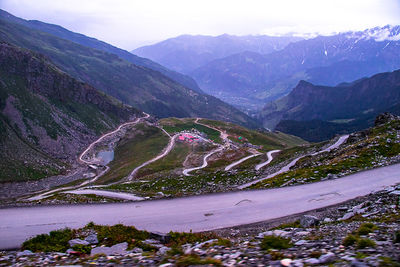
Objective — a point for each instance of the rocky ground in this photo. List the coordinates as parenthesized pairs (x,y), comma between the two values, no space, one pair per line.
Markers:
(361,232)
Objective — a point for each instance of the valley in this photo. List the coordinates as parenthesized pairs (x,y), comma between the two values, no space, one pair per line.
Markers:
(197,150)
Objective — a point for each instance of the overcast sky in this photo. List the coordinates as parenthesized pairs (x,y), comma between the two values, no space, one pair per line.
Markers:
(132,23)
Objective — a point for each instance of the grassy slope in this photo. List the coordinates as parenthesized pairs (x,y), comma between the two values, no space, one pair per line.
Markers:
(377,147)
(143,88)
(170,162)
(139,145)
(175,125)
(268,141)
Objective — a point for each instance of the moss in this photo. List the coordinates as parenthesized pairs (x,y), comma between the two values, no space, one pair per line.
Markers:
(275,242)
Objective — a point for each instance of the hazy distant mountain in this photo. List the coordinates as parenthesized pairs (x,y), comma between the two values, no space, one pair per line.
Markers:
(46,116)
(316,112)
(250,79)
(138,86)
(94,43)
(188,52)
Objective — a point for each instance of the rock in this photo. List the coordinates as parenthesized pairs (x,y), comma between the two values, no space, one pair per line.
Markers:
(302,233)
(300,243)
(297,263)
(137,250)
(274,232)
(92,239)
(347,216)
(328,220)
(312,261)
(396,192)
(308,220)
(163,238)
(286,262)
(77,241)
(384,118)
(356,263)
(235,255)
(163,250)
(166,265)
(327,258)
(118,249)
(25,253)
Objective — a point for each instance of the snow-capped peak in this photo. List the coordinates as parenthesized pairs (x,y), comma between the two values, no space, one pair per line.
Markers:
(379,34)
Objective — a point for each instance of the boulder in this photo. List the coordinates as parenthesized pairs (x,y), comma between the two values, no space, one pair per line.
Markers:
(92,239)
(327,258)
(77,241)
(118,249)
(24,253)
(308,220)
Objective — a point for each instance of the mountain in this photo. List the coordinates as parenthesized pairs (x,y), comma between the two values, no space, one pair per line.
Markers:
(250,79)
(46,116)
(84,40)
(186,53)
(316,112)
(137,86)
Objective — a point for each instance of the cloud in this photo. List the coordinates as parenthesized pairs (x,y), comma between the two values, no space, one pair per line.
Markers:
(129,23)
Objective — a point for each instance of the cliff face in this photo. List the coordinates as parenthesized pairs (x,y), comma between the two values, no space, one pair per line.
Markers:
(46,116)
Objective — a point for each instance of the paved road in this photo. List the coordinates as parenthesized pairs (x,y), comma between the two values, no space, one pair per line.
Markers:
(269,159)
(184,214)
(287,167)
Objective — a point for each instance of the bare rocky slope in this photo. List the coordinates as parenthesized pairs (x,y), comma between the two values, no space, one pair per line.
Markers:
(46,116)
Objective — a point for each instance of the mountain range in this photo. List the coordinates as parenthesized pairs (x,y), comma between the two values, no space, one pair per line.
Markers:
(186,53)
(138,86)
(84,40)
(317,113)
(249,80)
(46,116)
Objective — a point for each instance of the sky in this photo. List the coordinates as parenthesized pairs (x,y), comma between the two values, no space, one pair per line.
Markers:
(132,23)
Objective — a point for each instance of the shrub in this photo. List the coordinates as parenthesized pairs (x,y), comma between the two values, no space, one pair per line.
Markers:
(365,242)
(275,242)
(396,238)
(178,239)
(111,235)
(366,228)
(82,248)
(349,240)
(54,241)
(193,259)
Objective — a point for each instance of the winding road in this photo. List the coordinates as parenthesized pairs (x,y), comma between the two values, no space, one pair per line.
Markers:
(81,159)
(270,158)
(159,156)
(287,167)
(230,166)
(198,213)
(224,138)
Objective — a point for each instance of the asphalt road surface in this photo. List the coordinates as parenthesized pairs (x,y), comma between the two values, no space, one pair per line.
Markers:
(197,213)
